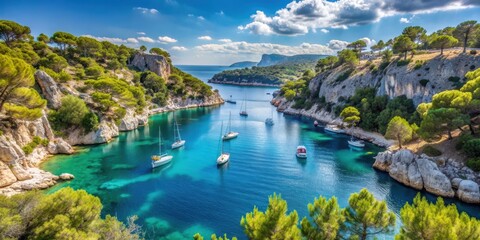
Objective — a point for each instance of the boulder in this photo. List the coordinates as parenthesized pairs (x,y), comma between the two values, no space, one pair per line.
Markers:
(468,191)
(66,176)
(132,120)
(20,173)
(456,182)
(414,177)
(6,175)
(59,146)
(399,167)
(434,180)
(106,131)
(152,62)
(383,160)
(50,89)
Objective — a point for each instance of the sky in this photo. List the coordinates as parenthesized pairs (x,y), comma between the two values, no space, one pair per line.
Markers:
(221,32)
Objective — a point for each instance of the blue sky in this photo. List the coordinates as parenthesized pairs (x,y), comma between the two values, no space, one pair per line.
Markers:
(222,32)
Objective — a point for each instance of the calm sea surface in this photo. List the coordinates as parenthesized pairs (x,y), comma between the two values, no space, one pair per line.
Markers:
(192,195)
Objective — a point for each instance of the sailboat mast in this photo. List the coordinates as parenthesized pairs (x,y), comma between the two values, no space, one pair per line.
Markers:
(178,132)
(221,142)
(160,139)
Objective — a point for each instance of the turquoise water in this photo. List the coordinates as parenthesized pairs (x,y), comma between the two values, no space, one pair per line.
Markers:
(192,195)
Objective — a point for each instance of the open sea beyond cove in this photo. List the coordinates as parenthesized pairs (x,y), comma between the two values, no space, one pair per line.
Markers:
(192,195)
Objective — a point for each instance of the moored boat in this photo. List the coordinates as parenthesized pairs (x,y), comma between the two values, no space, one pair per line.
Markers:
(333,129)
(161,158)
(224,156)
(230,100)
(230,134)
(301,152)
(178,142)
(315,123)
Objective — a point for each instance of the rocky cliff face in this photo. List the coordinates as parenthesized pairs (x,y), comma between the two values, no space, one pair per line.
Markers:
(437,74)
(442,177)
(179,103)
(18,171)
(155,63)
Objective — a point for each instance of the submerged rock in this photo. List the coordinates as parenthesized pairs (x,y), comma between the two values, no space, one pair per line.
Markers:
(66,176)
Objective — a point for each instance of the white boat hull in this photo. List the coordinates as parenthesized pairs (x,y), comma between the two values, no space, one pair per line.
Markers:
(334,130)
(230,135)
(178,144)
(162,160)
(358,144)
(301,155)
(223,158)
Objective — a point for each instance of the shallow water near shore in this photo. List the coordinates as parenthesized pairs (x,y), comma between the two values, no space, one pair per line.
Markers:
(192,194)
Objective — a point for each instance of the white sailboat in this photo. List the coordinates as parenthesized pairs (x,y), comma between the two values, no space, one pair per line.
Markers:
(224,156)
(356,143)
(230,100)
(178,142)
(229,133)
(269,121)
(243,108)
(162,158)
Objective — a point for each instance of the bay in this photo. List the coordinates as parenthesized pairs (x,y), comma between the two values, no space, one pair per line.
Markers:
(192,195)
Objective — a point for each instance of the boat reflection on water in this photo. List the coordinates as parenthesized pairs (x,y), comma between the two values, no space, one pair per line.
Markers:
(162,167)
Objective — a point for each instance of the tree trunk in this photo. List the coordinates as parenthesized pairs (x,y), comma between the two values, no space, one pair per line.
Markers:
(405,57)
(465,40)
(441,51)
(472,130)
(399,142)
(450,135)
(364,232)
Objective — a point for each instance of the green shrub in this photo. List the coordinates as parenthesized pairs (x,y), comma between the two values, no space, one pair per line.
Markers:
(63,76)
(45,142)
(473,52)
(299,103)
(472,147)
(384,65)
(90,122)
(424,82)
(36,140)
(474,164)
(418,64)
(462,140)
(27,149)
(402,63)
(431,151)
(94,71)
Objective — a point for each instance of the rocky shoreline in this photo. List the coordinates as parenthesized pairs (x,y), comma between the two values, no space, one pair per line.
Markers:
(328,118)
(439,176)
(244,84)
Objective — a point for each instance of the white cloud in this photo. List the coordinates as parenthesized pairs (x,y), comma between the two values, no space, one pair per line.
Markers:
(146,10)
(206,38)
(225,40)
(108,39)
(166,39)
(201,18)
(141,33)
(132,40)
(179,48)
(324,30)
(146,39)
(302,16)
(404,20)
(268,48)
(368,41)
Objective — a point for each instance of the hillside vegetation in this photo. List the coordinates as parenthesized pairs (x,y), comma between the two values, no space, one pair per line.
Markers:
(374,87)
(100,71)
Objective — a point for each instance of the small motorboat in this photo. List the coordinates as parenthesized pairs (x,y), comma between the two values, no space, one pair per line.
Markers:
(244,113)
(230,100)
(333,129)
(160,160)
(268,93)
(301,151)
(315,123)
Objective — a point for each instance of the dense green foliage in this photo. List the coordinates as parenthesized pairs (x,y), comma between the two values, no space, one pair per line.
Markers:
(101,64)
(399,129)
(73,113)
(18,99)
(271,75)
(424,220)
(36,141)
(327,219)
(66,214)
(431,151)
(350,115)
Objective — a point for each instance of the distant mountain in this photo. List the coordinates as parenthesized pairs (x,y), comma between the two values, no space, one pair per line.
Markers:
(275,59)
(244,64)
